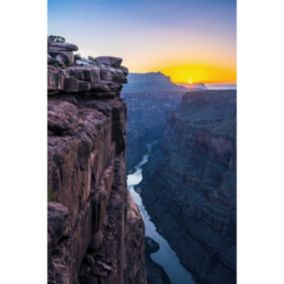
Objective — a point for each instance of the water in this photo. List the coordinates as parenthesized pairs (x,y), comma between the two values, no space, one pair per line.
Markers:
(215,86)
(165,256)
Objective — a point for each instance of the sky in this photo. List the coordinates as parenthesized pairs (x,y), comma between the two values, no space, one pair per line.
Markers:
(189,40)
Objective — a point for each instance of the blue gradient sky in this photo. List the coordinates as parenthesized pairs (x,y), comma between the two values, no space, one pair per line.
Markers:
(152,35)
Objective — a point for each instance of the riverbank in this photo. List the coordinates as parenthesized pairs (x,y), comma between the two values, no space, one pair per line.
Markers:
(165,256)
(154,272)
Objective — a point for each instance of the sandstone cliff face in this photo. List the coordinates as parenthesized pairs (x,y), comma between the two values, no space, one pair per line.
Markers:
(189,186)
(95,231)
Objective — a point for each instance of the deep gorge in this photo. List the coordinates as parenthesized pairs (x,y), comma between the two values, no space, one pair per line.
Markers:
(98,133)
(189,183)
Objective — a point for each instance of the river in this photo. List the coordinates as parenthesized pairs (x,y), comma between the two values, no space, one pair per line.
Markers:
(165,256)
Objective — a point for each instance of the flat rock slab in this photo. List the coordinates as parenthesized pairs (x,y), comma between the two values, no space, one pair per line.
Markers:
(108,60)
(62,46)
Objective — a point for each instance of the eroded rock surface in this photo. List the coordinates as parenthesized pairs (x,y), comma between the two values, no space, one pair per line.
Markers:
(95,231)
(102,76)
(189,187)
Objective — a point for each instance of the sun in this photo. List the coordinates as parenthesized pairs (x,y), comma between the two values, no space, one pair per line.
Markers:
(189,81)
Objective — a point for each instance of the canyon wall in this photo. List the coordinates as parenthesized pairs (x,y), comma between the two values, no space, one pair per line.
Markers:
(95,231)
(149,98)
(189,185)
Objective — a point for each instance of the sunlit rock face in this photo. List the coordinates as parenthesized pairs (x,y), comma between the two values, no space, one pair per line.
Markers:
(189,186)
(95,231)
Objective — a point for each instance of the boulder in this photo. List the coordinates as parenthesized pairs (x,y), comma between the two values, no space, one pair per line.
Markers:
(124,70)
(116,75)
(106,74)
(115,86)
(56,46)
(108,60)
(56,79)
(76,72)
(63,57)
(119,77)
(151,245)
(89,73)
(92,74)
(71,85)
(102,86)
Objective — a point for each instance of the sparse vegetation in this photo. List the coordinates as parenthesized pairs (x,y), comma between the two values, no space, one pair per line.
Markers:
(51,194)
(59,39)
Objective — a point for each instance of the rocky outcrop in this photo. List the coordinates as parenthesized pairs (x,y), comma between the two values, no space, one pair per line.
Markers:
(189,186)
(95,231)
(68,73)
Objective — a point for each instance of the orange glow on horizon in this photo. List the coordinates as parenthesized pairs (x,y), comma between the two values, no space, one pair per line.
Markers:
(197,73)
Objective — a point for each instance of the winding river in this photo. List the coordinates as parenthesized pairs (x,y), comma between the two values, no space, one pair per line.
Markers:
(165,256)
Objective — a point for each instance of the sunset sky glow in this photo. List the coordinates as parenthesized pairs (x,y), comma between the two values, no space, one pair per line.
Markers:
(188,40)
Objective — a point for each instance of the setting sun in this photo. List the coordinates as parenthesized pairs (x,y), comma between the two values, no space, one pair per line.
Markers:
(195,73)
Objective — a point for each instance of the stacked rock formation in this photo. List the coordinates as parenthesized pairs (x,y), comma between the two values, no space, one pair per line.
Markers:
(95,231)
(101,77)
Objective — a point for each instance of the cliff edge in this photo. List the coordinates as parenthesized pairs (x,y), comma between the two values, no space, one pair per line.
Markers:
(95,231)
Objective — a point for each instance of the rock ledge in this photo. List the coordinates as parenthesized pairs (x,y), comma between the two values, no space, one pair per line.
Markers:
(101,76)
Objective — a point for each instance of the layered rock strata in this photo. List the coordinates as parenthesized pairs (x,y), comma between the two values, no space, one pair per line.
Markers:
(95,231)
(68,73)
(189,187)
(149,98)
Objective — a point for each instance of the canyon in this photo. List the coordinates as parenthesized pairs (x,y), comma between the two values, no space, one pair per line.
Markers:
(189,183)
(149,97)
(109,223)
